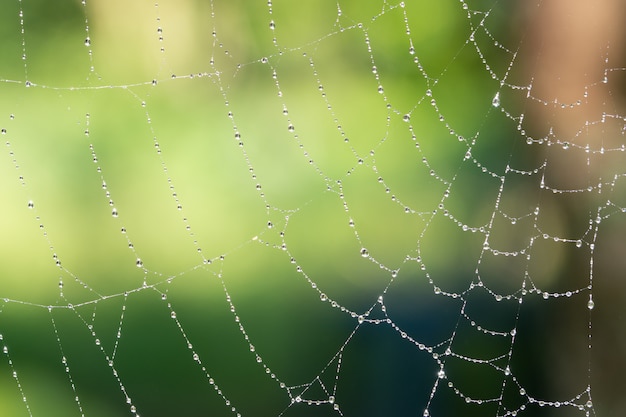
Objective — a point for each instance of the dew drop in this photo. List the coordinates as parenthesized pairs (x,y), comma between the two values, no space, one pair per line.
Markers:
(31,204)
(114,212)
(87,41)
(173,314)
(406,118)
(496,100)
(364,253)
(590,304)
(139,263)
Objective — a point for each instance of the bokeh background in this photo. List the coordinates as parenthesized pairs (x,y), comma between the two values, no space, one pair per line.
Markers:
(227,162)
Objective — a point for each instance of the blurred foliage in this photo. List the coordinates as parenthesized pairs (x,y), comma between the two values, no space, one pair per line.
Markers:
(171,142)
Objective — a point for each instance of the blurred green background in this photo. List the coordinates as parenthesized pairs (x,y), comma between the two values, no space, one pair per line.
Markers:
(199,163)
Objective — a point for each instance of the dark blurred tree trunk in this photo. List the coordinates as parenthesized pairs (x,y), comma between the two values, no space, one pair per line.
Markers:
(574,55)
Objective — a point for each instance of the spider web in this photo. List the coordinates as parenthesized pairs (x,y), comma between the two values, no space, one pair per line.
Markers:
(312,208)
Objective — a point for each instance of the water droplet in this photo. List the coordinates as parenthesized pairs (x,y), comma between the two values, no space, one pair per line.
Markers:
(406,117)
(590,304)
(173,314)
(496,100)
(139,263)
(114,212)
(426,413)
(87,41)
(589,404)
(291,128)
(412,50)
(331,399)
(381,89)
(98,342)
(31,204)
(361,319)
(441,374)
(272,25)
(28,84)
(364,253)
